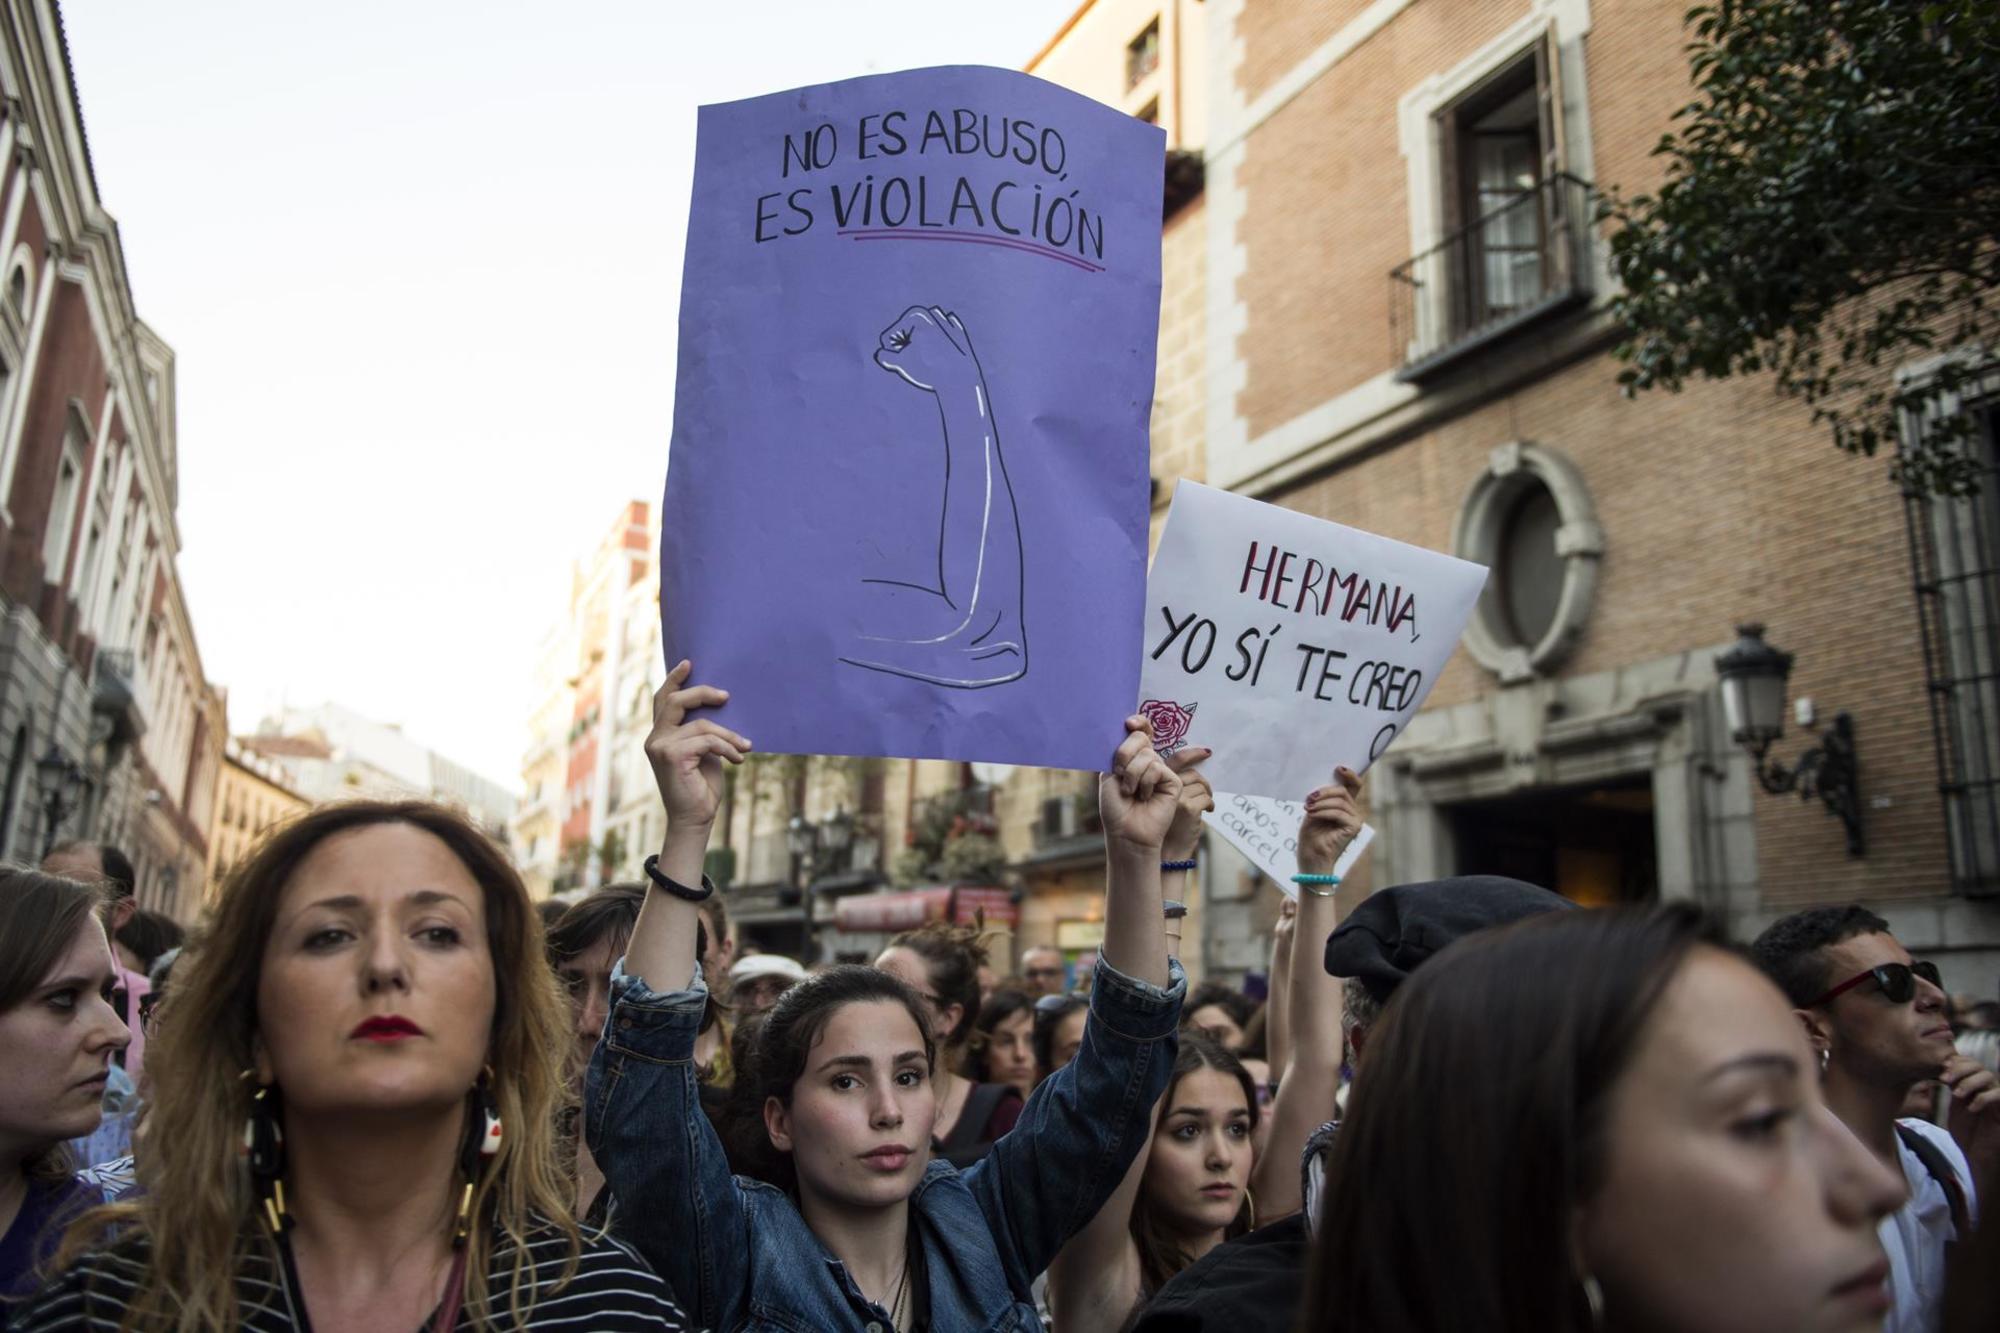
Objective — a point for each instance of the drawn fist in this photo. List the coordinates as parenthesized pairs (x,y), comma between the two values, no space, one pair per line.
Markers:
(928,347)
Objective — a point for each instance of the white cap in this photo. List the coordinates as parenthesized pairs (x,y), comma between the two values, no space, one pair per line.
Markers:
(766,965)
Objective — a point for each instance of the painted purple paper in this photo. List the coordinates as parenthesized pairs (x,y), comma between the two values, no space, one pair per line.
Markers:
(907,499)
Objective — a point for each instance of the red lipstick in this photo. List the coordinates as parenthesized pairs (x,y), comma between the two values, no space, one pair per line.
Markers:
(385,1027)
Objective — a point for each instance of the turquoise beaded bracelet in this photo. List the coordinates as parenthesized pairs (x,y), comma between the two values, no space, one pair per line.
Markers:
(1310,882)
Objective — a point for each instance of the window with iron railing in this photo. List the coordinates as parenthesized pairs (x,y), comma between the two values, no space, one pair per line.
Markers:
(1142,55)
(1955,566)
(1515,223)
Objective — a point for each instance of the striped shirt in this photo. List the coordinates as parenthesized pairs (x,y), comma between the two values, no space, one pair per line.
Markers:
(612,1290)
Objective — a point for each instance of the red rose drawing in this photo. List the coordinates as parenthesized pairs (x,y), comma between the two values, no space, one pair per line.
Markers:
(1170,723)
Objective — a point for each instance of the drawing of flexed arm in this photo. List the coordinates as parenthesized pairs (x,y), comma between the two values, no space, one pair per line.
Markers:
(964,629)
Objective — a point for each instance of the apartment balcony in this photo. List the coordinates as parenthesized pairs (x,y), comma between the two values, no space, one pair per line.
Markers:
(1517,265)
(1070,829)
(972,805)
(545,746)
(113,695)
(539,805)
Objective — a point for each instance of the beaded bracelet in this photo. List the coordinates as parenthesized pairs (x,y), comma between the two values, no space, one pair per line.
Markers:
(1188,864)
(1310,884)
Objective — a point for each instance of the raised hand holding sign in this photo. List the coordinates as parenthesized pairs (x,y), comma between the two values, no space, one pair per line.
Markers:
(1332,822)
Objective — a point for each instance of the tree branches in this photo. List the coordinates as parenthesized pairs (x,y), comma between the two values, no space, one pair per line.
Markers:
(1829,213)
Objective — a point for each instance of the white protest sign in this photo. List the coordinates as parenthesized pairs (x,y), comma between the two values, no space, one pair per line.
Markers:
(1266,830)
(1289,644)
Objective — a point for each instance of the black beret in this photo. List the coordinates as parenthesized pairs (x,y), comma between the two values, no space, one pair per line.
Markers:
(1394,931)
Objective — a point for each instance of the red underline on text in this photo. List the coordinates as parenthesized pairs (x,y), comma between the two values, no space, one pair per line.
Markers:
(970,238)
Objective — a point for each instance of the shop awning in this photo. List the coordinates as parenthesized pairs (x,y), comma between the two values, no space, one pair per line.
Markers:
(911,908)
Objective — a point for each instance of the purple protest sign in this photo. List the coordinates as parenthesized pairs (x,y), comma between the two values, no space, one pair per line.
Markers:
(907,496)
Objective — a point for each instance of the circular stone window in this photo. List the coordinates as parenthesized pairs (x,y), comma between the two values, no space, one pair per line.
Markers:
(1529,520)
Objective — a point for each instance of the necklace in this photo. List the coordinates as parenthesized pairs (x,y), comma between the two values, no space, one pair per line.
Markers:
(902,1294)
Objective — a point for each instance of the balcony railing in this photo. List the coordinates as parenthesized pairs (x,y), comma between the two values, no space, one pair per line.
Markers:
(1065,819)
(113,695)
(1523,260)
(972,804)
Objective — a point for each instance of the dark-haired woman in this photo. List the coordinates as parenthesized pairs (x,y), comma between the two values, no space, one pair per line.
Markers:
(1597,1120)
(1190,1191)
(1003,1042)
(1221,1013)
(854,1226)
(941,963)
(58,1031)
(370,1014)
(1058,1035)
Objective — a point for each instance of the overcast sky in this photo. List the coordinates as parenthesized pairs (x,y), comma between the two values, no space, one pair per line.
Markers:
(420,263)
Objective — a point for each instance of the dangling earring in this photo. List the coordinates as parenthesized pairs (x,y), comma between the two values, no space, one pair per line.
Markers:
(482,1144)
(1250,1202)
(264,1150)
(1593,1297)
(1825,1054)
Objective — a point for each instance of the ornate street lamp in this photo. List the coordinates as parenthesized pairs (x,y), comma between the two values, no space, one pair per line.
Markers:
(836,835)
(802,841)
(1753,676)
(61,784)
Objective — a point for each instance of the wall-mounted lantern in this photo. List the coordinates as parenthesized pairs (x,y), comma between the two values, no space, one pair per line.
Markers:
(1753,675)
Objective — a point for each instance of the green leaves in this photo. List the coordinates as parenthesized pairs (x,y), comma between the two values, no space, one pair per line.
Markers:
(1829,212)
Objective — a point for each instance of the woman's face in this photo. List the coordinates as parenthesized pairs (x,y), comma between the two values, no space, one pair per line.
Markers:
(586,982)
(1201,1155)
(1214,1022)
(56,1047)
(377,991)
(1010,1051)
(859,1126)
(908,966)
(1066,1040)
(1723,1161)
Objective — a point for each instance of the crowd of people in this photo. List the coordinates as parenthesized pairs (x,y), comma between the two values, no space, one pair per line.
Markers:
(378,1088)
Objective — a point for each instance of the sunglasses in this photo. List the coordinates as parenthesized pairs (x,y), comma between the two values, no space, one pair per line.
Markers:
(1061,1003)
(1897,980)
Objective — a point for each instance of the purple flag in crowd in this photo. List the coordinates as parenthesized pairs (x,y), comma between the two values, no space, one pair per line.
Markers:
(907,499)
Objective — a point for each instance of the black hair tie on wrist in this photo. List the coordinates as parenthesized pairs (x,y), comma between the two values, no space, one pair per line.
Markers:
(661,880)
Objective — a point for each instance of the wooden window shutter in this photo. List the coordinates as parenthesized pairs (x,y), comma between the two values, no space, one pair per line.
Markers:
(1549,102)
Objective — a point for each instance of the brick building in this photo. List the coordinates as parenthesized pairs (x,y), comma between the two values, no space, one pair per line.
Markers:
(1407,332)
(103,701)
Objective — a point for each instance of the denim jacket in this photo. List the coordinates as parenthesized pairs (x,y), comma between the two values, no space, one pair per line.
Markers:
(738,1255)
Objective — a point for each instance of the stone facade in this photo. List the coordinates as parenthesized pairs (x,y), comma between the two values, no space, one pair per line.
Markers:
(98,660)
